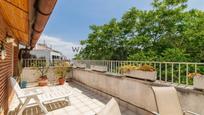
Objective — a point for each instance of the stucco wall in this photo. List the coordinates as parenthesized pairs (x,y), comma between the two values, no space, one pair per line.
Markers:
(32,75)
(127,89)
(137,92)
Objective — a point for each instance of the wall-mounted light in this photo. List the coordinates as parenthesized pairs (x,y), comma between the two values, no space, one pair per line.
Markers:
(9,39)
(2,51)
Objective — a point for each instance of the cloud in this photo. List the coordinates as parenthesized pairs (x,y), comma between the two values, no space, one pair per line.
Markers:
(60,45)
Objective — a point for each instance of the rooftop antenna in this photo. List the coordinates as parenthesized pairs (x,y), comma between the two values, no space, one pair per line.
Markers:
(44,42)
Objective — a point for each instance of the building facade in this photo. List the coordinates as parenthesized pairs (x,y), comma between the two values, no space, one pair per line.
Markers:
(42,51)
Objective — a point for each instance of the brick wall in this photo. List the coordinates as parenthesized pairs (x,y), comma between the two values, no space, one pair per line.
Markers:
(5,73)
(6,69)
(15,63)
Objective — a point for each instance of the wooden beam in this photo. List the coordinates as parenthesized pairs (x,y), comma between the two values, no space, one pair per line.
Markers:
(17,29)
(16,6)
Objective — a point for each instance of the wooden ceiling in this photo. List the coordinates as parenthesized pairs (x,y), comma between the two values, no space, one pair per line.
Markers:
(16,15)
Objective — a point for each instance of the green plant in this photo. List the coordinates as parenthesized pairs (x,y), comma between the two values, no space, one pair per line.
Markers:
(127,68)
(164,33)
(61,69)
(146,67)
(42,68)
(191,75)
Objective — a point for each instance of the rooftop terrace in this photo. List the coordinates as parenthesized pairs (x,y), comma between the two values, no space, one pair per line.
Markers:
(83,101)
(93,83)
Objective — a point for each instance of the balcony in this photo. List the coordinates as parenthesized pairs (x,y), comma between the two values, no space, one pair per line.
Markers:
(93,89)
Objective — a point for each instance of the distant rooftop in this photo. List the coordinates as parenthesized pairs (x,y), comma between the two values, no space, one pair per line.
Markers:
(44,46)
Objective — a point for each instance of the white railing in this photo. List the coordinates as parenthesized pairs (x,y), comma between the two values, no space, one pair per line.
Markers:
(40,62)
(171,72)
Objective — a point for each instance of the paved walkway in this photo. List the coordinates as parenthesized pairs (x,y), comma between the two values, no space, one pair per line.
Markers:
(82,102)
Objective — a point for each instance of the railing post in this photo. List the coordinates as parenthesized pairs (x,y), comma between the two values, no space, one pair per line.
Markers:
(187,74)
(195,68)
(155,65)
(166,72)
(160,71)
(179,73)
(172,73)
(111,67)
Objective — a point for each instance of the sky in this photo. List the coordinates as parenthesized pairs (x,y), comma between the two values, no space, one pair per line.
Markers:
(70,20)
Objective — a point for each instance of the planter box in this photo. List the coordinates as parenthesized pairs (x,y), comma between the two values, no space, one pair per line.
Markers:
(146,75)
(99,68)
(198,82)
(80,65)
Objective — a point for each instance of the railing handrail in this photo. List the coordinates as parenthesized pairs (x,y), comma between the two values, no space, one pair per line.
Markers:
(31,62)
(146,61)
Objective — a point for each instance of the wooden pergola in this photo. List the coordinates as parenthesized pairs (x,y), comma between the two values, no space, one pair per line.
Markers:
(26,19)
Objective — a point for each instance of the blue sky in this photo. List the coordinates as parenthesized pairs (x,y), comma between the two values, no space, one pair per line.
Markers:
(70,19)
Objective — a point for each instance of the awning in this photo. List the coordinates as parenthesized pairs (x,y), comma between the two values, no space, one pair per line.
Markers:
(26,19)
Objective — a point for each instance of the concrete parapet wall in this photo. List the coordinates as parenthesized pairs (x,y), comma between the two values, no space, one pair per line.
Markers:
(136,92)
(31,74)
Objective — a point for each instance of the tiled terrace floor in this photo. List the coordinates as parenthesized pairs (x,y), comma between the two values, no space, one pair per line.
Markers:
(82,102)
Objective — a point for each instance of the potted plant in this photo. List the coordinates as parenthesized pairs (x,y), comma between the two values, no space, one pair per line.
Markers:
(127,68)
(198,80)
(61,71)
(42,69)
(145,72)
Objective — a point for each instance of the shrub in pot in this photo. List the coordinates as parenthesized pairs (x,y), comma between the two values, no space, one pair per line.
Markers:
(127,68)
(198,80)
(145,72)
(42,69)
(61,71)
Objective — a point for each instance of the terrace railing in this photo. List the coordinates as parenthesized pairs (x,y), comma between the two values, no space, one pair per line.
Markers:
(169,72)
(40,62)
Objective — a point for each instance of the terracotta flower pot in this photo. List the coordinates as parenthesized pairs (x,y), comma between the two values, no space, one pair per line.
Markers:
(43,81)
(61,81)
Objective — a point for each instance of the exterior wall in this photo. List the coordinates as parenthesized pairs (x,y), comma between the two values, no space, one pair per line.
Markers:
(130,90)
(7,68)
(45,53)
(55,54)
(15,61)
(31,75)
(5,73)
(41,53)
(137,92)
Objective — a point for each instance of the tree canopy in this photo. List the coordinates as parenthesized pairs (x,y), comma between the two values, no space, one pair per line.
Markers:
(167,32)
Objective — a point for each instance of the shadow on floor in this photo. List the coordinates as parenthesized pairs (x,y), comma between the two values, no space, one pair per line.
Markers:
(36,110)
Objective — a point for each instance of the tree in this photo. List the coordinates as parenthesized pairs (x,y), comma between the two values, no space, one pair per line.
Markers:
(168,32)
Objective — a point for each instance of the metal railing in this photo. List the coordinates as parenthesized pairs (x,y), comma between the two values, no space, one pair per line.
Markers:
(40,62)
(171,72)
